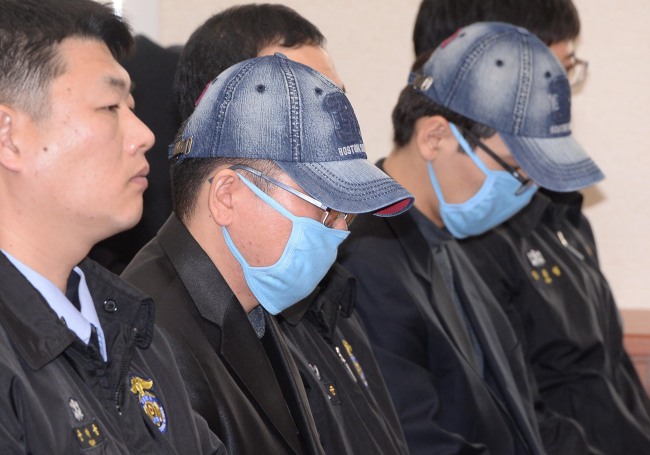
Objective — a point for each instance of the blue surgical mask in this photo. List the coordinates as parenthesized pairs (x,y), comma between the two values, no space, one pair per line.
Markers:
(494,203)
(308,255)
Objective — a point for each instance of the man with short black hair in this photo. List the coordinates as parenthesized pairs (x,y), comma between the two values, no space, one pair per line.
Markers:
(351,406)
(543,267)
(264,187)
(82,367)
(483,121)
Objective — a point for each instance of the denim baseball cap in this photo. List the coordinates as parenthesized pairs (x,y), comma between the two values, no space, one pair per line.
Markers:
(504,77)
(276,109)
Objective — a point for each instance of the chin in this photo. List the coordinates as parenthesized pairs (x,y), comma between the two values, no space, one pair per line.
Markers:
(126,222)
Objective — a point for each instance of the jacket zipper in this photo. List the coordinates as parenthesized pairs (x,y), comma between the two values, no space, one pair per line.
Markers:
(126,363)
(569,247)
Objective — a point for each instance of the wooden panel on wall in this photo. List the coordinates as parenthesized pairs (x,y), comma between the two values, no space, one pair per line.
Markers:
(636,325)
(638,347)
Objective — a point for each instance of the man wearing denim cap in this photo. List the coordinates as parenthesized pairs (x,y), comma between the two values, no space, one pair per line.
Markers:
(488,111)
(543,267)
(349,400)
(274,161)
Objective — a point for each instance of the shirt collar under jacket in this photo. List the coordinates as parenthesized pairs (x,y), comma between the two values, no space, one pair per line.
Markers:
(77,321)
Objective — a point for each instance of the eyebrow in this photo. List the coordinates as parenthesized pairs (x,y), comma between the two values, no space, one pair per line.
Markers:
(119,84)
(569,56)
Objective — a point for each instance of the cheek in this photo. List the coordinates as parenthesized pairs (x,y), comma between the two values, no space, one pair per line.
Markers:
(263,237)
(469,187)
(463,180)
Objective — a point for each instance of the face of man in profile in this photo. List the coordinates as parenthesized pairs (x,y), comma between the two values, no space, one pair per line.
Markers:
(84,159)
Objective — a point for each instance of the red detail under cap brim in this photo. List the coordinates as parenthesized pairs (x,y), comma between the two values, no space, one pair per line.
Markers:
(395,209)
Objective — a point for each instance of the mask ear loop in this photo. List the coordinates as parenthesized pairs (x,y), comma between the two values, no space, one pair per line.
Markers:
(468,149)
(266,198)
(525,183)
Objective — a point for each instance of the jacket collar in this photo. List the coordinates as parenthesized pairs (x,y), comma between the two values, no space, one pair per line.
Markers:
(550,207)
(239,346)
(334,297)
(565,206)
(407,232)
(40,336)
(196,270)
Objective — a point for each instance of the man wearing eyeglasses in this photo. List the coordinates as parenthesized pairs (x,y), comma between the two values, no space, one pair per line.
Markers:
(483,122)
(543,264)
(266,197)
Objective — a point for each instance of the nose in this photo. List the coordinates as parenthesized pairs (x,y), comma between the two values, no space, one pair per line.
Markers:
(141,137)
(339,221)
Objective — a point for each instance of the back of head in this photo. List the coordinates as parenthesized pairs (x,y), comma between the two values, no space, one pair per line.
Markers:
(234,35)
(30,31)
(551,21)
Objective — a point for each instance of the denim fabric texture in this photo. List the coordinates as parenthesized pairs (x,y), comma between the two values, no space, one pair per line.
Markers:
(274,108)
(504,77)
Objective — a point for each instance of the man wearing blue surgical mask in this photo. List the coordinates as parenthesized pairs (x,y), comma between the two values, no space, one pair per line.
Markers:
(483,122)
(268,171)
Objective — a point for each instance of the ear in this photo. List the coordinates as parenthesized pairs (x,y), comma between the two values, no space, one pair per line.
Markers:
(9,154)
(221,196)
(432,134)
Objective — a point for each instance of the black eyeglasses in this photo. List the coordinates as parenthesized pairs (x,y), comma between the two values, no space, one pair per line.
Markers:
(525,183)
(331,215)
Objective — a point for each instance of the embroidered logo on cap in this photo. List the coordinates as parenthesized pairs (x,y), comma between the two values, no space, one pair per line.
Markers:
(560,93)
(151,405)
(345,123)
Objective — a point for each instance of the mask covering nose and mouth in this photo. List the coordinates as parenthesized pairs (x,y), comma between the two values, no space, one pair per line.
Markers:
(495,202)
(309,253)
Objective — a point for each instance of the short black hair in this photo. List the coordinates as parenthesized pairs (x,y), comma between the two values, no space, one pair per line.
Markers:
(552,21)
(30,32)
(232,36)
(189,174)
(413,105)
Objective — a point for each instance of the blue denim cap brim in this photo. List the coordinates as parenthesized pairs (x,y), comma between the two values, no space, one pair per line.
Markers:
(559,163)
(350,186)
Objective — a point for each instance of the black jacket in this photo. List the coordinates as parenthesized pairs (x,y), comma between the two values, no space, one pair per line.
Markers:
(446,405)
(543,268)
(352,408)
(60,397)
(247,389)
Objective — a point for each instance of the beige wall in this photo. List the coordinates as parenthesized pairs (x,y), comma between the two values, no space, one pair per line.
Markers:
(370,41)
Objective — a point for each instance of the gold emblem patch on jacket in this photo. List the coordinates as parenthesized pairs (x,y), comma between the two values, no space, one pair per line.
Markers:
(88,434)
(151,405)
(542,272)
